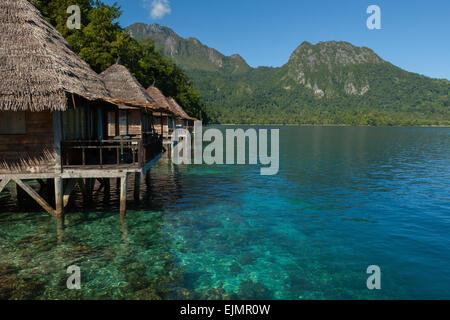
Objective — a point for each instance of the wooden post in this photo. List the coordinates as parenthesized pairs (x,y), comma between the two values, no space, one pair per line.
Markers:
(123,195)
(59,197)
(60,228)
(117,185)
(107,183)
(137,186)
(124,230)
(57,138)
(68,190)
(107,192)
(88,185)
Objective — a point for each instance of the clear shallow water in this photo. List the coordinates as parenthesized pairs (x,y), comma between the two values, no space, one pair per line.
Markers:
(345,198)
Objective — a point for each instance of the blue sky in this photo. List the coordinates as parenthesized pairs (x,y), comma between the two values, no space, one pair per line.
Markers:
(415,34)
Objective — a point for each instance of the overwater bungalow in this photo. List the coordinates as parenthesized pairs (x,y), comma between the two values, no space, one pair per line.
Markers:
(58,121)
(184,120)
(141,120)
(165,122)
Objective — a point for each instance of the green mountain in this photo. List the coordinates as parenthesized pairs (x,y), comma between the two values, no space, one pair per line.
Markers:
(325,83)
(189,53)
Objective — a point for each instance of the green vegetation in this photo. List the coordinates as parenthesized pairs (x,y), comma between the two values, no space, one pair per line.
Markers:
(101,42)
(327,83)
(189,53)
(265,96)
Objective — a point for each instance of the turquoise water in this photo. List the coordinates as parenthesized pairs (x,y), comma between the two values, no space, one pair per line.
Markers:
(345,198)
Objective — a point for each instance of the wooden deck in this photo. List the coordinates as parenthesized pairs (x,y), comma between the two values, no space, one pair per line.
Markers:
(84,176)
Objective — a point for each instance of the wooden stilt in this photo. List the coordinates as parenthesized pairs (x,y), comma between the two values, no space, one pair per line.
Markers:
(107,193)
(13,192)
(3,184)
(68,190)
(59,197)
(36,197)
(107,186)
(82,188)
(90,184)
(85,186)
(123,195)
(118,185)
(137,186)
(101,187)
(124,229)
(60,228)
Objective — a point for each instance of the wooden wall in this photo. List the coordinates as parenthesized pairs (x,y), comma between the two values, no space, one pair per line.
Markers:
(157,123)
(134,122)
(32,152)
(124,122)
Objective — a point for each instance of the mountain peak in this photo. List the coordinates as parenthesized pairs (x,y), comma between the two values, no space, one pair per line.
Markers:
(321,66)
(137,29)
(330,52)
(237,57)
(189,53)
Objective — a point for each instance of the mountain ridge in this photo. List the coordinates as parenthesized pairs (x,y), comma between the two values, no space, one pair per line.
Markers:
(181,49)
(330,82)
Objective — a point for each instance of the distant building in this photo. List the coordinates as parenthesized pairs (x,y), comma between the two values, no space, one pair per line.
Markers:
(165,122)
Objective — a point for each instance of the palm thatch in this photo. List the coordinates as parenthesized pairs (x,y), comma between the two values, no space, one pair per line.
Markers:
(159,98)
(31,162)
(127,104)
(123,85)
(179,110)
(37,66)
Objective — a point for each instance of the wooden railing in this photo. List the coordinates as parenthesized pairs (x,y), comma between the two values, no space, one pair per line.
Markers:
(106,153)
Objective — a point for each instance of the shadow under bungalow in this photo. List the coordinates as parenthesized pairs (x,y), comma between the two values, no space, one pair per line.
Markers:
(64,125)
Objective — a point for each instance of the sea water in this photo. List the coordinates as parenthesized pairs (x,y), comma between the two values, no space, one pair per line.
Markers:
(345,198)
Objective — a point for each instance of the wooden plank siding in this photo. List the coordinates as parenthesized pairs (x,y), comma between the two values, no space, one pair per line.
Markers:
(134,123)
(32,152)
(161,124)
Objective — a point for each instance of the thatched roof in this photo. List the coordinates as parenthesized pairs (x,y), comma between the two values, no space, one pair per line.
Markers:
(127,104)
(158,96)
(123,85)
(160,99)
(179,110)
(37,66)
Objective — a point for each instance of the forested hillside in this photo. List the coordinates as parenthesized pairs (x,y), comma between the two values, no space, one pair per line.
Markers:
(325,83)
(101,42)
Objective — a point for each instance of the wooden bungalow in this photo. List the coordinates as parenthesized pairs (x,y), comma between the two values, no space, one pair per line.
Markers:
(136,116)
(184,120)
(54,112)
(165,122)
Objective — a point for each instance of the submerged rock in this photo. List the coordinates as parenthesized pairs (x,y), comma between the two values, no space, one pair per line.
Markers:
(218,293)
(16,287)
(249,290)
(147,294)
(235,268)
(246,259)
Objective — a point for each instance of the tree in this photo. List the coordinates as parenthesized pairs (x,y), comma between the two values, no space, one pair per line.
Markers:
(101,42)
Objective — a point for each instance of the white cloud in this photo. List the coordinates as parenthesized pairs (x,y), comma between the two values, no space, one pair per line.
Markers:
(158,8)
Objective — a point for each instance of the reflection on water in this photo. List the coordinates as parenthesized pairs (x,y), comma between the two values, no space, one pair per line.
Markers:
(345,198)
